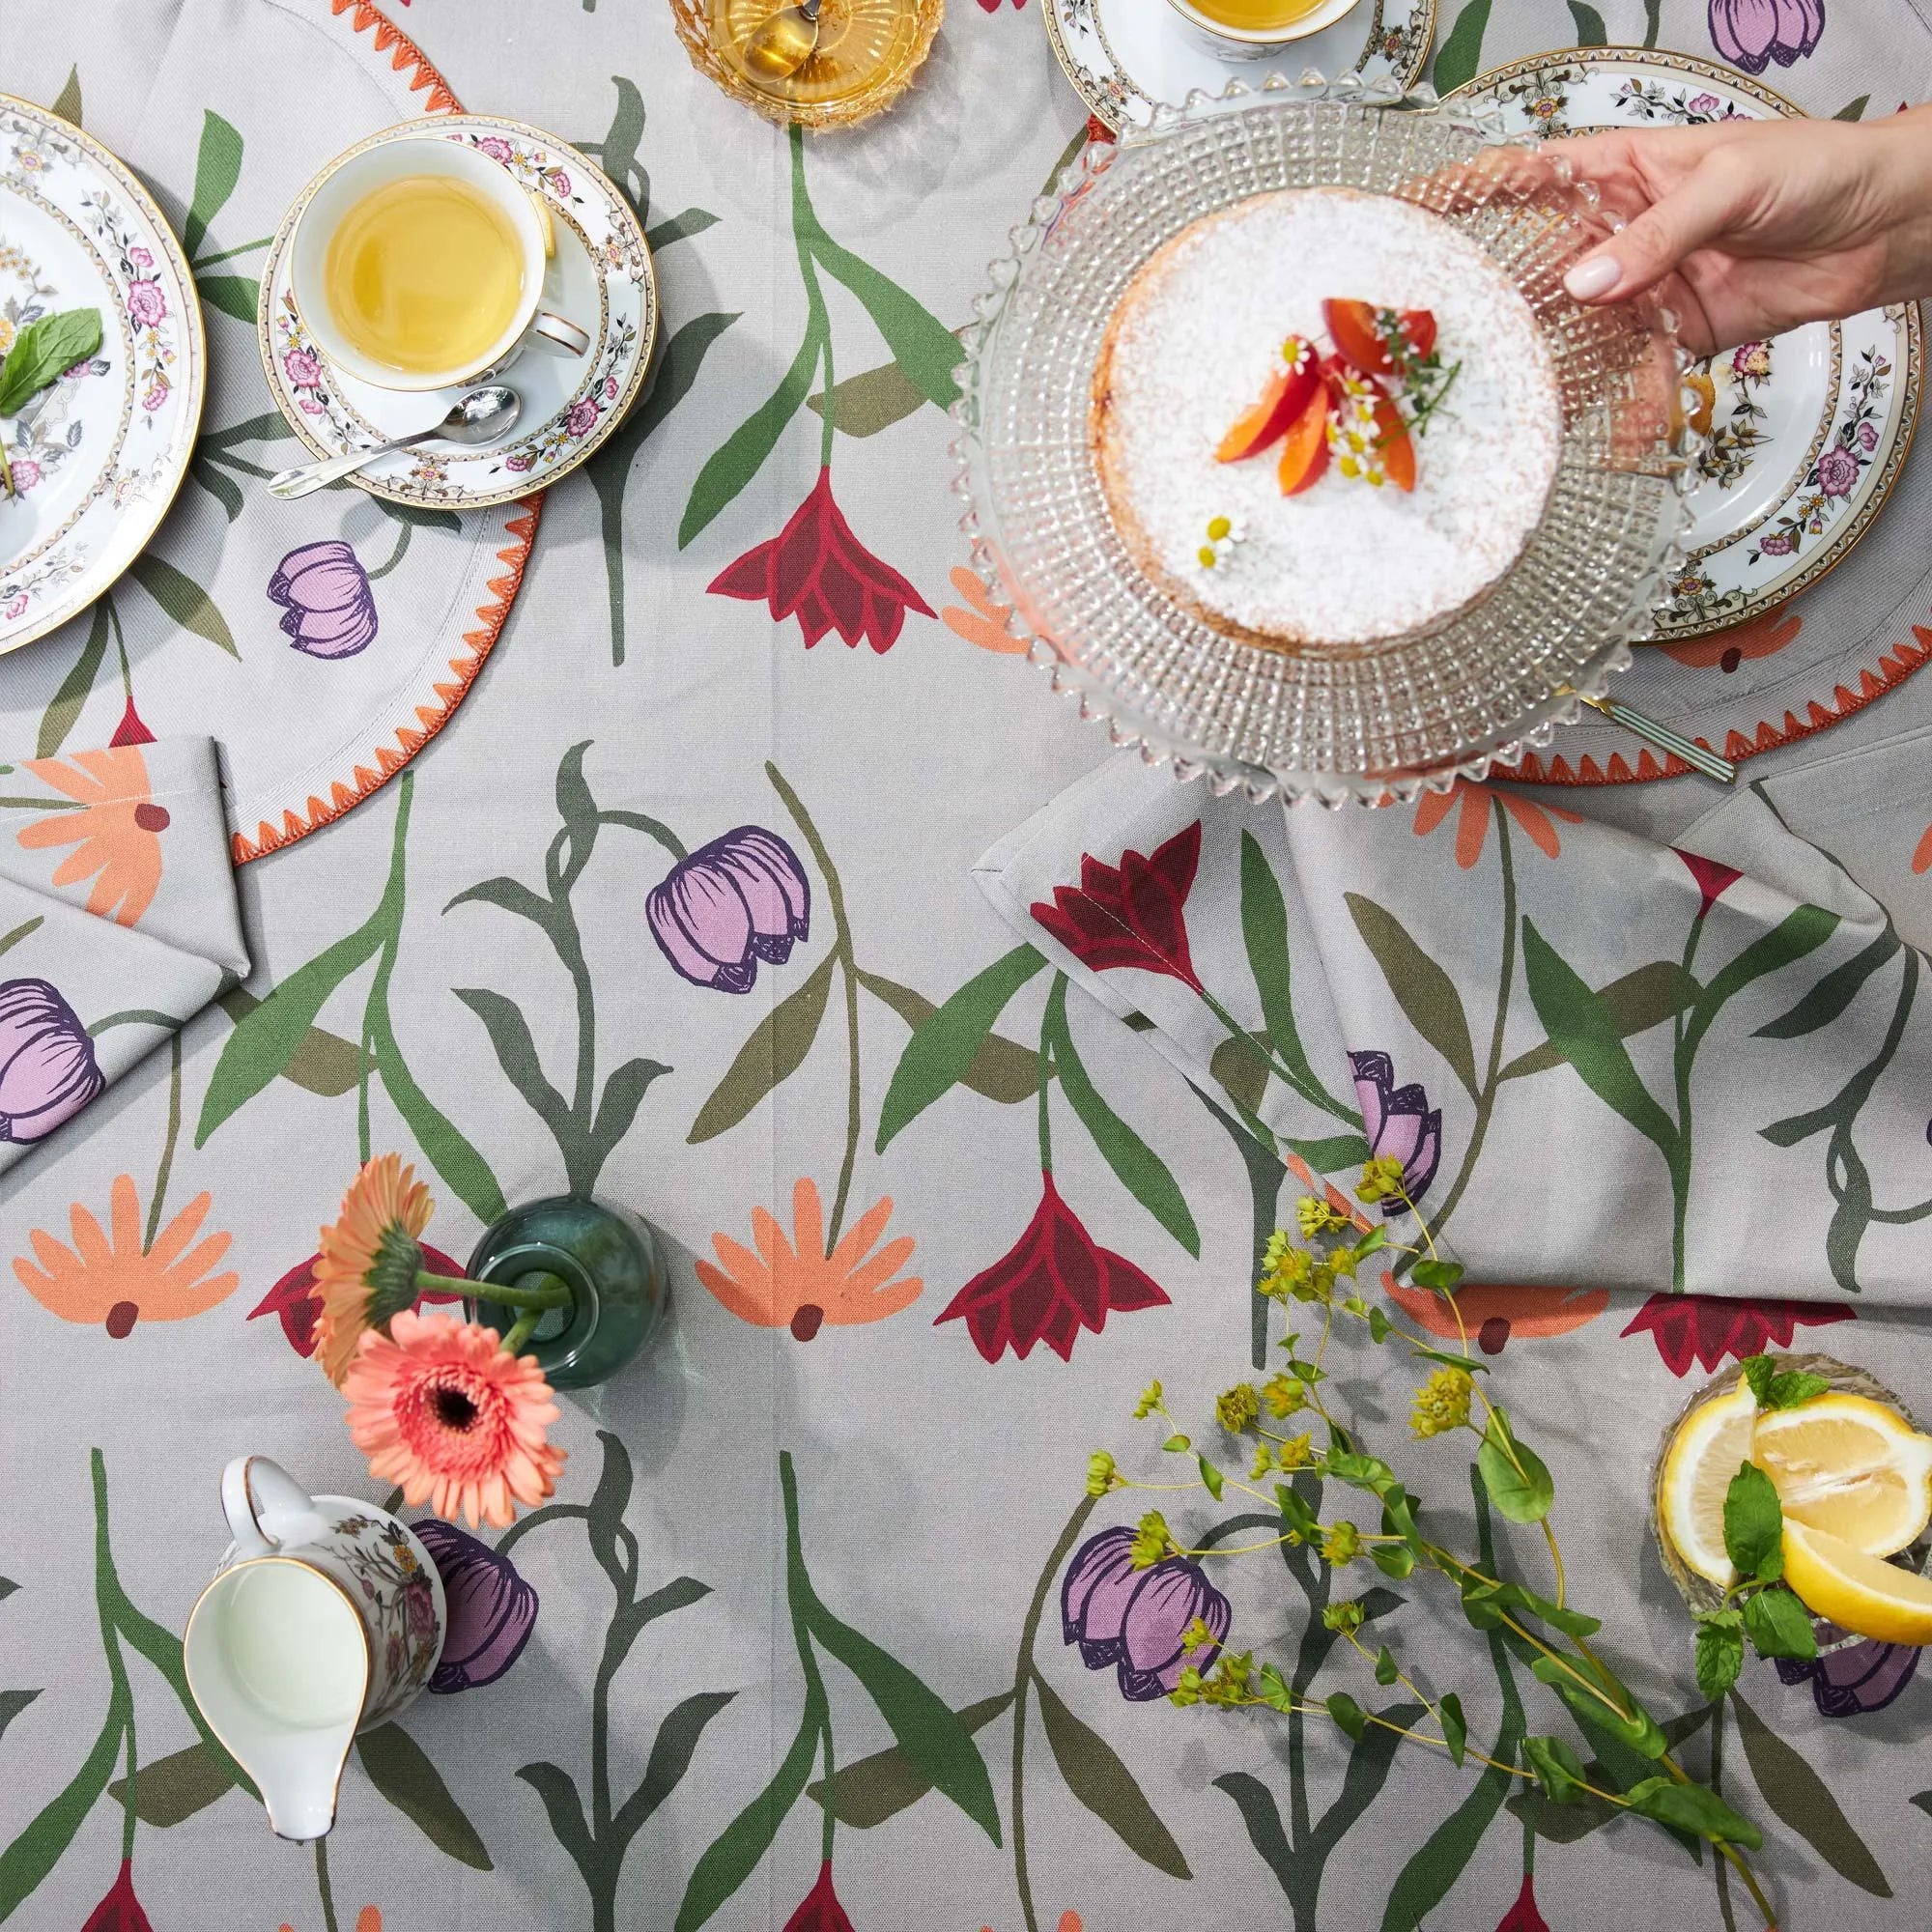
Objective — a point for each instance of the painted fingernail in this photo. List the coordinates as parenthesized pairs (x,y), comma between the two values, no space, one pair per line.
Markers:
(1597,276)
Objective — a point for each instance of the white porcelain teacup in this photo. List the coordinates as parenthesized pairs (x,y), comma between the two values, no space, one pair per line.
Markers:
(325,1618)
(1233,43)
(361,173)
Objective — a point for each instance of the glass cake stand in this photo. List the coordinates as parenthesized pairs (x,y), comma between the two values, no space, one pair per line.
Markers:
(1372,722)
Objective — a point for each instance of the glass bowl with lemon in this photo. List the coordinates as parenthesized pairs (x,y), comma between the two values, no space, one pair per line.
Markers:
(1854,1481)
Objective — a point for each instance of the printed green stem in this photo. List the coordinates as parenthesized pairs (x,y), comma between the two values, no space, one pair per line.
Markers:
(805,229)
(405,531)
(121,645)
(167,1154)
(1024,1673)
(121,1697)
(1046,1120)
(1313,1094)
(1678,1156)
(848,968)
(652,828)
(229,254)
(362,1072)
(1720,1871)
(322,1885)
(798,1590)
(134,1017)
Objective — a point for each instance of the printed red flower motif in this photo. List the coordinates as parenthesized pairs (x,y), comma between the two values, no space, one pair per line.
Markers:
(1713,880)
(1052,1283)
(1705,1329)
(131,730)
(817,571)
(1522,1916)
(1133,914)
(819,1910)
(293,1302)
(119,1911)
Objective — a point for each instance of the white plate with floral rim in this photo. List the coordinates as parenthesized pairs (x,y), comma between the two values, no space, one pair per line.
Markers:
(1125,56)
(1805,433)
(600,276)
(96,457)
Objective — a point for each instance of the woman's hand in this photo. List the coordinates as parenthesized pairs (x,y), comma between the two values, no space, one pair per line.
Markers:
(1749,227)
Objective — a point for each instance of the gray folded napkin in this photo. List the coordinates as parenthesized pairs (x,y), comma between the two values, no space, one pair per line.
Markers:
(118,920)
(1601,1060)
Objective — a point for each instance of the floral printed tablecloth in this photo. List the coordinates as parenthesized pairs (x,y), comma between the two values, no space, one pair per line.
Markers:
(668,914)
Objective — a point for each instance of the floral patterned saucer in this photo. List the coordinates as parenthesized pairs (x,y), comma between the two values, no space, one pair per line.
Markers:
(1806,433)
(1122,56)
(601,278)
(98,458)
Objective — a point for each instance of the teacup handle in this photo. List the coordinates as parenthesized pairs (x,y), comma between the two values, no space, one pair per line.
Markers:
(265,1507)
(558,334)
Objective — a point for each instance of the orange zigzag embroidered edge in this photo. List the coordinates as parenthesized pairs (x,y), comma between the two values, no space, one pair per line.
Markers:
(1894,668)
(520,527)
(367,19)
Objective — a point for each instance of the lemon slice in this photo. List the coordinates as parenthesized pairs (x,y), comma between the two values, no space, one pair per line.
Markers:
(1863,1593)
(1850,1467)
(544,222)
(1709,1444)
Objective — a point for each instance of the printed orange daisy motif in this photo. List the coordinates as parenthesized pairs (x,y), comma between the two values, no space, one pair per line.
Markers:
(116,830)
(793,1283)
(1472,828)
(985,623)
(110,1277)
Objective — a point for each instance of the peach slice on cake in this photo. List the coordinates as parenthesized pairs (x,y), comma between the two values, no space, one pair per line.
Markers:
(1394,445)
(1304,455)
(1358,333)
(1284,400)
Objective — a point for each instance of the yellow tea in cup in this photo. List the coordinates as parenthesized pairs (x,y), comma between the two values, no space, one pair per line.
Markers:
(1255,16)
(423,274)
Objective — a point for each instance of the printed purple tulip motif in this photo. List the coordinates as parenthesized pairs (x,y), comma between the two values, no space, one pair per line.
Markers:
(1400,1125)
(329,609)
(490,1610)
(47,1070)
(739,899)
(1750,34)
(1135,1619)
(1853,1678)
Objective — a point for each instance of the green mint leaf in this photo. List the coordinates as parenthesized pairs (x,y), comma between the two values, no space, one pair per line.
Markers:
(1455,1727)
(1692,1807)
(1558,1770)
(1386,1671)
(43,351)
(1754,1524)
(1442,1276)
(1518,1483)
(1793,1387)
(1721,1656)
(1211,1476)
(1758,1373)
(1348,1713)
(1778,1625)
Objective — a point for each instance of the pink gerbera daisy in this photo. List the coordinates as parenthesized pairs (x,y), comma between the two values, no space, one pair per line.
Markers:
(440,1407)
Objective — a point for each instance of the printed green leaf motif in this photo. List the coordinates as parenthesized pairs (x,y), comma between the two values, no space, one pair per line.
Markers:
(1854,110)
(1455,1726)
(630,1623)
(924,1728)
(1635,1003)
(671,1752)
(1329,1155)
(38,1849)
(1513,1474)
(1653,14)
(183,599)
(678,228)
(1754,1524)
(267,1039)
(770,1057)
(1833,993)
(1240,1066)
(510,895)
(1095,1774)
(517,1055)
(611,1543)
(564,1809)
(1924,1801)
(865,404)
(743,453)
(1801,930)
(12,1704)
(466,1172)
(1581,1027)
(402,1774)
(1264,936)
(1001,1069)
(1422,989)
(1136,1166)
(1778,1625)
(1693,1807)
(731,1858)
(623,1094)
(64,712)
(881,1787)
(939,1054)
(1589,25)
(26,930)
(178,1786)
(67,102)
(922,345)
(238,296)
(1460,55)
(217,167)
(323,1062)
(1802,1801)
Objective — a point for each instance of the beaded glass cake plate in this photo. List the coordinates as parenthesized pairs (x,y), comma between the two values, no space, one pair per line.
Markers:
(1805,432)
(1374,722)
(1124,56)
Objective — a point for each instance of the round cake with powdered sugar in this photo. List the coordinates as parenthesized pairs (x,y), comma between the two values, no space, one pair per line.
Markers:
(1325,417)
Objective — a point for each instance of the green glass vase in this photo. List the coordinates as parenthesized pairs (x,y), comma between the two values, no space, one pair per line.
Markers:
(611,1263)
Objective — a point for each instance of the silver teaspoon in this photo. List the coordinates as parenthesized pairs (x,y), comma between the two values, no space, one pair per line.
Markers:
(480,417)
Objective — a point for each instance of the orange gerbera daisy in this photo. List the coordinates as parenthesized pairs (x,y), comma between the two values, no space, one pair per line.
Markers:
(440,1407)
(108,1276)
(1473,827)
(369,1259)
(794,1283)
(117,829)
